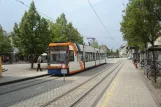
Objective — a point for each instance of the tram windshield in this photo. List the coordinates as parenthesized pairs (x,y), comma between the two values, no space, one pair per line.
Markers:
(58,55)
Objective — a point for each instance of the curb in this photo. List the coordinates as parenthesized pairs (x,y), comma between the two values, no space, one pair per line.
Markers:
(20,80)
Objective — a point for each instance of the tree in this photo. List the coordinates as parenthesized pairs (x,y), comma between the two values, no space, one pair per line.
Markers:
(5,43)
(154,7)
(117,52)
(94,43)
(141,23)
(32,35)
(139,26)
(62,31)
(111,51)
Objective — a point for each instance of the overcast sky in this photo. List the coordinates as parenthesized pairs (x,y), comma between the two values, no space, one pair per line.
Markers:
(78,12)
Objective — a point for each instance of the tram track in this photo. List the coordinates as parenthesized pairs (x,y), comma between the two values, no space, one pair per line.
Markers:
(93,102)
(57,100)
(26,84)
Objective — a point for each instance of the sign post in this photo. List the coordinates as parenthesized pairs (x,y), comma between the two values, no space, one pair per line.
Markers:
(0,67)
(63,71)
(64,77)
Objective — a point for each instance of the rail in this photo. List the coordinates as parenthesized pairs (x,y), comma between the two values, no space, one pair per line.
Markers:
(82,84)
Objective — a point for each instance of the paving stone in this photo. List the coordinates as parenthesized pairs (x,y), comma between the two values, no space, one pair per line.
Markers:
(129,90)
(39,94)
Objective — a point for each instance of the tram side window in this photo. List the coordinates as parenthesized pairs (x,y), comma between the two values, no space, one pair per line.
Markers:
(100,56)
(86,57)
(90,54)
(71,55)
(97,56)
(93,56)
(81,56)
(103,56)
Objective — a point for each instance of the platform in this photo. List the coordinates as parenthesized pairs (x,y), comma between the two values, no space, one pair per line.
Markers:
(21,71)
(127,90)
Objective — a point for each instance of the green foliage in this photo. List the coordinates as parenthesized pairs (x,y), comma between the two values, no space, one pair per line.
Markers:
(94,44)
(32,35)
(5,43)
(140,26)
(154,7)
(62,31)
(111,52)
(117,52)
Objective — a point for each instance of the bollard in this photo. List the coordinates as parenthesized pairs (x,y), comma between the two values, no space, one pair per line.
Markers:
(0,67)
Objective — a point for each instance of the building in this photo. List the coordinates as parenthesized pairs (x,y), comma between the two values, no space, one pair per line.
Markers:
(104,47)
(123,50)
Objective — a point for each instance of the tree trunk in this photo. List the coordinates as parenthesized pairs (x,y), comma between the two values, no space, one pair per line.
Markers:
(32,61)
(155,72)
(10,58)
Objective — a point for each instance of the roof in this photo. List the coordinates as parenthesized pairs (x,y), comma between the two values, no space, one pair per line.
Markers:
(155,48)
(104,46)
(132,47)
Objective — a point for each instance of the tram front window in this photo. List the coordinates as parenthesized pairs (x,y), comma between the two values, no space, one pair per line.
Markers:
(58,55)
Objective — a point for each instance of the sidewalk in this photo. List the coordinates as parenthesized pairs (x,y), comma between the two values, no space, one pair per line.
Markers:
(21,71)
(127,90)
(156,92)
(113,60)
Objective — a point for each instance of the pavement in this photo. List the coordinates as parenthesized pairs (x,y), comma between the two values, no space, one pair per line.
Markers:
(156,91)
(20,71)
(127,90)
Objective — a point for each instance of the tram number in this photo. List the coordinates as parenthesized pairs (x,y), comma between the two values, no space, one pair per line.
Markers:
(64,71)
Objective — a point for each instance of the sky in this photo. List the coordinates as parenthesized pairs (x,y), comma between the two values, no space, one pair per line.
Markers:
(78,12)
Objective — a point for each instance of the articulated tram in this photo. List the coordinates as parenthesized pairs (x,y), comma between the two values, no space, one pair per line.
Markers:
(72,58)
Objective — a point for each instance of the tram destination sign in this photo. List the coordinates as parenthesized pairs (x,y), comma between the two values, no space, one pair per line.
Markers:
(55,48)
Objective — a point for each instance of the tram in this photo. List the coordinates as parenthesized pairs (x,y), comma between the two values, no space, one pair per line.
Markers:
(72,58)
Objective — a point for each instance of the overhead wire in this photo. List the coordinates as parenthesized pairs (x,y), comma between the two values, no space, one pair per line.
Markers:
(100,20)
(21,2)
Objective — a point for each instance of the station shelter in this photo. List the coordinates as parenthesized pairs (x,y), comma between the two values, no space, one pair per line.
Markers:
(134,52)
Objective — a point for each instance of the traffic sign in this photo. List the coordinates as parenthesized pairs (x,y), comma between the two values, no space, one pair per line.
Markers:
(63,66)
(64,71)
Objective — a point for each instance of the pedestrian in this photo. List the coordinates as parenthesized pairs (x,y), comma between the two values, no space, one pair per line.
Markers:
(135,63)
(38,63)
